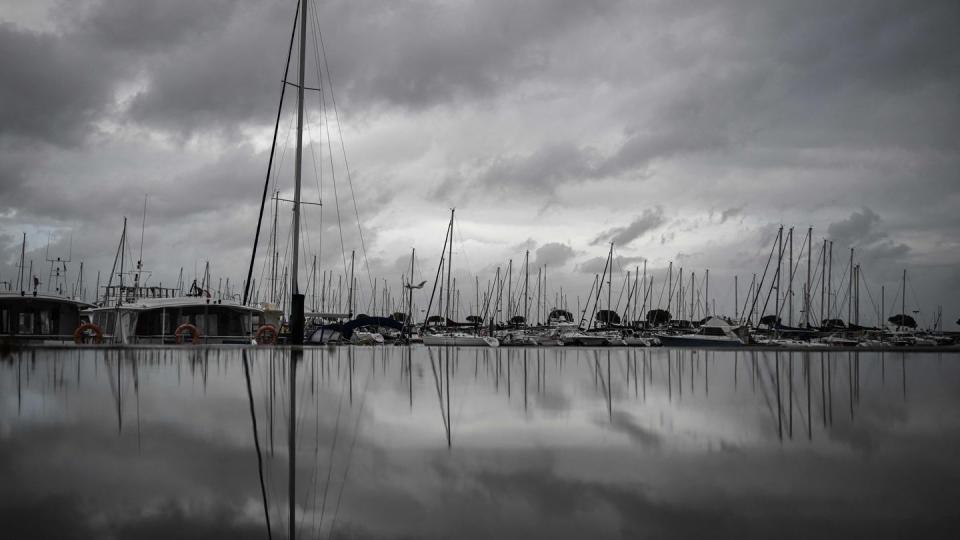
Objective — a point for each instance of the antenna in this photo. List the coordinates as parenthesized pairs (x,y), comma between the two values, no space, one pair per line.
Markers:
(56,277)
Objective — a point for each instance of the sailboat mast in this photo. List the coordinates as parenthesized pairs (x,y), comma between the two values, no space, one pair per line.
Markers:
(23,257)
(903,301)
(296,298)
(123,246)
(806,297)
(449,264)
(409,321)
(610,283)
(790,284)
(350,290)
(526,286)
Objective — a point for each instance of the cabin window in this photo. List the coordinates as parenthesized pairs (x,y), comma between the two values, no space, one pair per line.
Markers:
(207,324)
(26,323)
(713,331)
(5,321)
(45,326)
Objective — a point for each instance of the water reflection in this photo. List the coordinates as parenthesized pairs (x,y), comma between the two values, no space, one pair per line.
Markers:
(440,442)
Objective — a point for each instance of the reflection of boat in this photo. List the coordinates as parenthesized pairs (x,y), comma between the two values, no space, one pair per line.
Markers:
(459,338)
(39,318)
(714,332)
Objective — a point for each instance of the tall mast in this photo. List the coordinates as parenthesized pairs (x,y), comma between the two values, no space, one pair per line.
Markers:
(143,226)
(680,294)
(449,264)
(350,289)
(706,292)
(274,286)
(409,321)
(806,309)
(790,284)
(296,298)
(545,312)
(669,286)
(23,257)
(645,289)
(609,284)
(123,246)
(903,300)
(509,290)
(823,281)
(850,291)
(776,299)
(830,282)
(526,286)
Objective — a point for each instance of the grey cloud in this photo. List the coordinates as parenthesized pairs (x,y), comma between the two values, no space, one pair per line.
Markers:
(730,213)
(649,220)
(554,254)
(859,228)
(597,264)
(51,91)
(147,26)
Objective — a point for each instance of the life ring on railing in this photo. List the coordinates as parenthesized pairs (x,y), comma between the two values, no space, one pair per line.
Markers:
(81,332)
(186,327)
(266,335)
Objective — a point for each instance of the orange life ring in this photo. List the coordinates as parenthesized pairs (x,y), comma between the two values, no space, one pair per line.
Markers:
(266,330)
(80,333)
(186,327)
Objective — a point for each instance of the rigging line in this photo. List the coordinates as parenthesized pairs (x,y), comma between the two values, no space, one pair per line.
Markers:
(326,126)
(436,380)
(333,179)
(791,276)
(256,443)
(263,199)
(463,245)
(759,286)
(353,443)
(916,299)
(343,148)
(869,295)
(311,491)
(333,446)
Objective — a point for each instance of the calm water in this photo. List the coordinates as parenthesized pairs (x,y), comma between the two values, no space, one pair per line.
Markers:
(396,442)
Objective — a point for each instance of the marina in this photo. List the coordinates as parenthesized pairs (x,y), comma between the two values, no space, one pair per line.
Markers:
(698,275)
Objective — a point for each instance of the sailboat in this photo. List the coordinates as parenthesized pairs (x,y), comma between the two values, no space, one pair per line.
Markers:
(450,336)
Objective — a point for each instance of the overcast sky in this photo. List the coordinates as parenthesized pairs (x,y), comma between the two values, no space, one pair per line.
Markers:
(683,131)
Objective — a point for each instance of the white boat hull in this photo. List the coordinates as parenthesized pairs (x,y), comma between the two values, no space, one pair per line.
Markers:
(462,340)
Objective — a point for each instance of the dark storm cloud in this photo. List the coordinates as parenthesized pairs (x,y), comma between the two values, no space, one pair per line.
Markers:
(859,228)
(802,111)
(148,26)
(649,220)
(51,91)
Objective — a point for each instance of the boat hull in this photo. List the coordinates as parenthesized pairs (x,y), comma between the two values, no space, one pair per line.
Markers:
(460,341)
(698,341)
